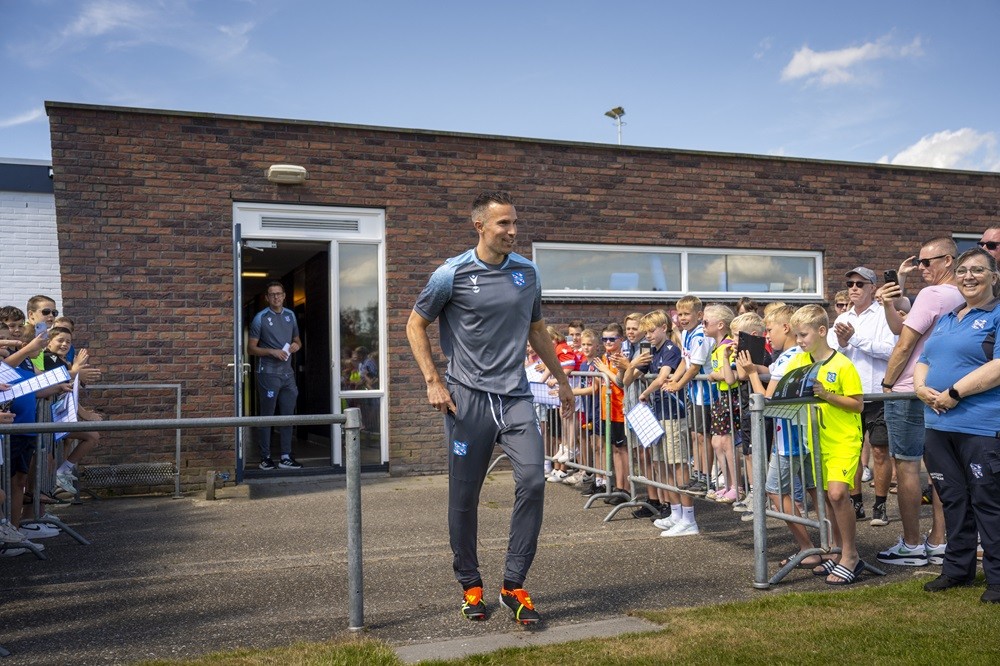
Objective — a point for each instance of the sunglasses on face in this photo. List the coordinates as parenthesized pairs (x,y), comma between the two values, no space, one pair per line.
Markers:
(610,340)
(49,311)
(856,283)
(976,271)
(988,245)
(926,263)
(840,306)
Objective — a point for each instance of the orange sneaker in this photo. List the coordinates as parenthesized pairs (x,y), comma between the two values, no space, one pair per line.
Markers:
(473,607)
(519,604)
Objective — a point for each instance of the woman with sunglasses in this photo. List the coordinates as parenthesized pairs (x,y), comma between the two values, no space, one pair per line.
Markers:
(958,379)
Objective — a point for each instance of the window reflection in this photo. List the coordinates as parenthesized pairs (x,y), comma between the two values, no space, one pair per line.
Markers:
(617,270)
(359,308)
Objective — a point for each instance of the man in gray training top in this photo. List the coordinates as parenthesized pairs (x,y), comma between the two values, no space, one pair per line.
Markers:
(274,337)
(488,300)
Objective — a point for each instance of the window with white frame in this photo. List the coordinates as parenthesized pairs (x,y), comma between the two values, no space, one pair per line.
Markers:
(638,273)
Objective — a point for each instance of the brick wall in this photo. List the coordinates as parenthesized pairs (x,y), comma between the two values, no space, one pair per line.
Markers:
(145,211)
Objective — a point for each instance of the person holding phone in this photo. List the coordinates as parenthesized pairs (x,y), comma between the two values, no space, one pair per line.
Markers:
(42,313)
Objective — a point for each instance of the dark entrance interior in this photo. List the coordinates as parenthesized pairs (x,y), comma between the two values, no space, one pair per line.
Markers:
(303,267)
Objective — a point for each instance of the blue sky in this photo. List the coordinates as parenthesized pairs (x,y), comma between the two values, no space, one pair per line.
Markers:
(909,82)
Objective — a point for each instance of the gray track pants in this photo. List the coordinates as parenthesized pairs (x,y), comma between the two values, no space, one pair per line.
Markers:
(484,419)
(277,394)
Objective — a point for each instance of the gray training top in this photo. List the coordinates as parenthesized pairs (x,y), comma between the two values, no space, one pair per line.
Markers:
(273,330)
(485,313)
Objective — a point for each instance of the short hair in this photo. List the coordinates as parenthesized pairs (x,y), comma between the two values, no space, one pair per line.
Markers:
(34,301)
(56,330)
(748,322)
(483,201)
(944,244)
(589,333)
(721,312)
(72,324)
(576,323)
(655,319)
(772,306)
(615,328)
(634,316)
(10,312)
(275,283)
(779,315)
(810,315)
(747,304)
(842,295)
(691,301)
(991,263)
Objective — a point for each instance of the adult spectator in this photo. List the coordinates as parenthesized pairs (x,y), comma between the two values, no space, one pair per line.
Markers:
(863,335)
(274,337)
(991,242)
(905,418)
(489,302)
(958,379)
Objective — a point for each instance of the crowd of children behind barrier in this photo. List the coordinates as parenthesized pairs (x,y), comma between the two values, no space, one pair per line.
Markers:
(29,345)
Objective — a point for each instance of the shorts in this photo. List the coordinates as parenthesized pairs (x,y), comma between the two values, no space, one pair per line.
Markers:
(674,448)
(873,424)
(553,423)
(904,420)
(840,466)
(699,418)
(725,413)
(783,469)
(22,449)
(618,434)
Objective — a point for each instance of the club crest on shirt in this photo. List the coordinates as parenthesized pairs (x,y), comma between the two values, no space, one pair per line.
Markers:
(518,278)
(977,470)
(831,377)
(979,325)
(288,319)
(459,448)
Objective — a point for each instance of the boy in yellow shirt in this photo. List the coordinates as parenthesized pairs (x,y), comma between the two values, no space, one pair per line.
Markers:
(838,387)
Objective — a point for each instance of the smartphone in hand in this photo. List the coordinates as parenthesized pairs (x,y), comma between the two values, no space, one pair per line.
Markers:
(645,347)
(41,328)
(891,276)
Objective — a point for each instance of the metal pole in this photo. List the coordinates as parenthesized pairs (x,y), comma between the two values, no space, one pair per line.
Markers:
(619,119)
(758,439)
(355,589)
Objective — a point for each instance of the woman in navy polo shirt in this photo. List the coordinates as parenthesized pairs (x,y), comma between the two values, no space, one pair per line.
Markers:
(958,379)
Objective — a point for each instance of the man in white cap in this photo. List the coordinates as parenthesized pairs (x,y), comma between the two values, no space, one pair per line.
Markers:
(864,336)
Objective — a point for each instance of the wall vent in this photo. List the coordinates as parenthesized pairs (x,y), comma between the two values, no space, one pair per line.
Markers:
(311,223)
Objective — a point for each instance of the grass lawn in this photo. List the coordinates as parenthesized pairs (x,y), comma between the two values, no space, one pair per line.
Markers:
(888,624)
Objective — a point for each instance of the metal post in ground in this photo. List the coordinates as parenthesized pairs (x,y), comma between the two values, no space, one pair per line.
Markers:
(758,441)
(355,590)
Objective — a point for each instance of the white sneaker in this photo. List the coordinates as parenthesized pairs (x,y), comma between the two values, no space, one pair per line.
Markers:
(548,467)
(574,479)
(557,476)
(664,523)
(681,529)
(903,555)
(866,475)
(935,554)
(744,505)
(39,531)
(10,534)
(65,482)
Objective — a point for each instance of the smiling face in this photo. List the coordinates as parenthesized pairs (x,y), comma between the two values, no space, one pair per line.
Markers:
(612,342)
(60,344)
(497,229)
(632,331)
(687,318)
(976,279)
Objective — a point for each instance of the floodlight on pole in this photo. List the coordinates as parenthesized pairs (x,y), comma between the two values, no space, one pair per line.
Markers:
(616,115)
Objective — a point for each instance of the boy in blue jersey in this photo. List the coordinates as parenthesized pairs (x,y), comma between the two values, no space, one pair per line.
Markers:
(488,301)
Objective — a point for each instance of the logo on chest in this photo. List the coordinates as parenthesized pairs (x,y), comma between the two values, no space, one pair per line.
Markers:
(518,278)
(474,279)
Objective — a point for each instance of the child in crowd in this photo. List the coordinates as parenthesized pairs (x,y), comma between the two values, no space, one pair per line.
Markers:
(8,533)
(749,323)
(838,387)
(12,317)
(696,350)
(56,355)
(725,409)
(672,452)
(790,461)
(612,365)
(562,431)
(590,416)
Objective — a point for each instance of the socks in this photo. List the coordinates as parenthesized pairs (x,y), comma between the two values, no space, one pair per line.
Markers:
(675,509)
(688,514)
(880,500)
(511,585)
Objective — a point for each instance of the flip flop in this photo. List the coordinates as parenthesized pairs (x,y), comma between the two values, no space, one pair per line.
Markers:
(800,565)
(826,568)
(845,575)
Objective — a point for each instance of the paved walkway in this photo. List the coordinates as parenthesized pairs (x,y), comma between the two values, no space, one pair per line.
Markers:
(266,566)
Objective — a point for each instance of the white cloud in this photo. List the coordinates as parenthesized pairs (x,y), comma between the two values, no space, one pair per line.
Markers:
(763,47)
(103,16)
(828,68)
(962,149)
(24,118)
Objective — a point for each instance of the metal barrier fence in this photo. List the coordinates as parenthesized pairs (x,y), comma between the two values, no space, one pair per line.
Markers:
(351,419)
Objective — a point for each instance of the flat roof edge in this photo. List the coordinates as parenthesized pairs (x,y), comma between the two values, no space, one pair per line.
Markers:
(54,104)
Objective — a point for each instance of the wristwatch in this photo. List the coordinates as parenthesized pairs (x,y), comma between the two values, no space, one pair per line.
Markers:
(954,394)
(886,385)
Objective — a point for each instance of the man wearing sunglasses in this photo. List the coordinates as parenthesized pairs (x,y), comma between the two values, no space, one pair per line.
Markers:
(864,336)
(905,418)
(991,242)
